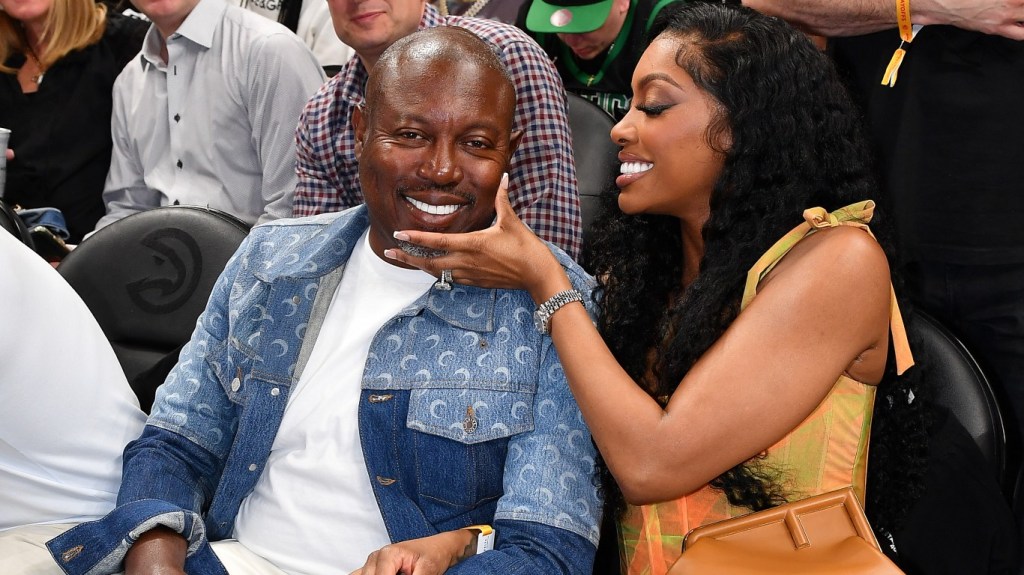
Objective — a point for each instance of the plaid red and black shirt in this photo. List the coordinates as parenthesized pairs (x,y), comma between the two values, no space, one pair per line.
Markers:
(542,175)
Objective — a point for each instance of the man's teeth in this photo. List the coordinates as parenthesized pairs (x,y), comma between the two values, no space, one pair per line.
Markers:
(432,209)
(634,167)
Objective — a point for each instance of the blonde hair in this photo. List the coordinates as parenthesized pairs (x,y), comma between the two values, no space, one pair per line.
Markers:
(70,25)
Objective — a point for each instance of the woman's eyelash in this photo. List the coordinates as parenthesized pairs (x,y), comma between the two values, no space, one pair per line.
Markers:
(652,109)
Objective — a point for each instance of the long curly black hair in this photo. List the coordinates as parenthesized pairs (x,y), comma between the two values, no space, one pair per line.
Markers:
(795,143)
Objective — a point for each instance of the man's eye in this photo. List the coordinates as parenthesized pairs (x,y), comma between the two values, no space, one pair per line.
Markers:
(409,135)
(478,144)
(653,110)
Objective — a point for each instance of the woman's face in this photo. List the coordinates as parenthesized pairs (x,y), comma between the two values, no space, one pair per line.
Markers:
(668,166)
(27,11)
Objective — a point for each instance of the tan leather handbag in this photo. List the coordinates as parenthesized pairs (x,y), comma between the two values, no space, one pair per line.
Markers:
(826,533)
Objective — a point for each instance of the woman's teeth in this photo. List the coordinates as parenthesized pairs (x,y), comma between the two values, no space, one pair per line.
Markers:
(628,168)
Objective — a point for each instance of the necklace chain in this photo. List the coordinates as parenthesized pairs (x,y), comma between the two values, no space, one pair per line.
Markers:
(36,78)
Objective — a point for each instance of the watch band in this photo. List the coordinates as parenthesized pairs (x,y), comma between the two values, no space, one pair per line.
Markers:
(542,317)
(484,537)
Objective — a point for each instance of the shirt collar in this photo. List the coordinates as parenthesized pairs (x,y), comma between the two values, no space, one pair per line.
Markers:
(431,18)
(199,27)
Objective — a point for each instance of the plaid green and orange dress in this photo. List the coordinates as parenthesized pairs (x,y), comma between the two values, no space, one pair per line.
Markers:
(827,451)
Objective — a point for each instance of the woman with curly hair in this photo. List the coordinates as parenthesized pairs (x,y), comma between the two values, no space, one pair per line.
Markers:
(730,370)
(58,62)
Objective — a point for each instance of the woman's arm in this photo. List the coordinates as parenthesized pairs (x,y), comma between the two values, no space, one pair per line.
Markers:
(823,306)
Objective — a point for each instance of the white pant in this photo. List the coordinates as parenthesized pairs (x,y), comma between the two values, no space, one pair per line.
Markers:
(23,552)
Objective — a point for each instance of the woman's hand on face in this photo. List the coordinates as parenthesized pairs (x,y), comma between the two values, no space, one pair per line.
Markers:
(9,154)
(506,255)
(425,556)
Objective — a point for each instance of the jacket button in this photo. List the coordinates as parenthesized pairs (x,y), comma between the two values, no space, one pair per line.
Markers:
(275,392)
(235,384)
(469,422)
(252,467)
(385,481)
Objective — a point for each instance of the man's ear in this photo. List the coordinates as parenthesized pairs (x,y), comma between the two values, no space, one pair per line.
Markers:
(359,126)
(513,142)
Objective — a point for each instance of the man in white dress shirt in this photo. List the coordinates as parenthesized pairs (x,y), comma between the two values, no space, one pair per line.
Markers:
(206,114)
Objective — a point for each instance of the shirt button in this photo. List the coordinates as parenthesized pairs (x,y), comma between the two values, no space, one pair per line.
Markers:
(179,164)
(275,392)
(235,384)
(252,467)
(177,117)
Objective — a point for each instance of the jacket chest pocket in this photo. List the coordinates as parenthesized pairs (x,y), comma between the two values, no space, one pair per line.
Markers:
(461,441)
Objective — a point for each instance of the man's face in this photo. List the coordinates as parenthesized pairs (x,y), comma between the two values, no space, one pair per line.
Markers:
(434,163)
(167,15)
(589,45)
(370,26)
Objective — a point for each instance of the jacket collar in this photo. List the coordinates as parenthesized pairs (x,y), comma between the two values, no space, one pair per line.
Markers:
(289,256)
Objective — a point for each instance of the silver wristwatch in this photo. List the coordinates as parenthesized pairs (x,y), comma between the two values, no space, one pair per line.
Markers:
(542,317)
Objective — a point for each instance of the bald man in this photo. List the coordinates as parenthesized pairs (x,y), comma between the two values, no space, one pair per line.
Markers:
(337,412)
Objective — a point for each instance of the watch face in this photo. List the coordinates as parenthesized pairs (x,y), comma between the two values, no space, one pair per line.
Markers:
(539,318)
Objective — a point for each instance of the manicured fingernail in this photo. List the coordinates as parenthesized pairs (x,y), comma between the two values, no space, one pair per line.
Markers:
(390,254)
(504,180)
(401,236)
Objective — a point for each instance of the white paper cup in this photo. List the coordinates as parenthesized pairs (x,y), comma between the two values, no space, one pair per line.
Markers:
(5,134)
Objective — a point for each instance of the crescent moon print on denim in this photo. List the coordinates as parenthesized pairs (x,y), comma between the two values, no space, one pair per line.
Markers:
(473,337)
(504,374)
(413,323)
(528,314)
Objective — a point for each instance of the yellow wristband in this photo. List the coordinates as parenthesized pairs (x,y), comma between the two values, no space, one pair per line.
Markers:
(906,37)
(903,20)
(484,537)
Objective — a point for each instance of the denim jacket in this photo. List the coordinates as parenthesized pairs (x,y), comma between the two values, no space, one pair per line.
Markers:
(465,416)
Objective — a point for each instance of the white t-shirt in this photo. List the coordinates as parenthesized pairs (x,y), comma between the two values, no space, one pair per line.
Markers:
(66,410)
(313,509)
(315,28)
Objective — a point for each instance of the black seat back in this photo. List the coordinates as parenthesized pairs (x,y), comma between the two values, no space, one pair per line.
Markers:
(957,383)
(147,278)
(596,156)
